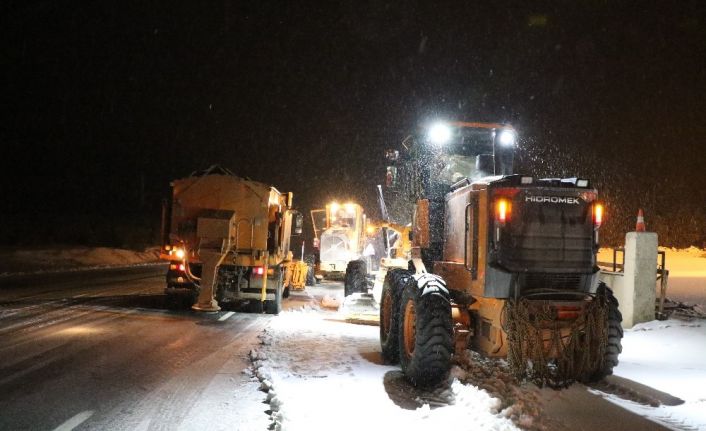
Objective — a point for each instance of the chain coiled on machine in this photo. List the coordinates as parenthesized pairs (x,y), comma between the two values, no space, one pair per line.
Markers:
(553,352)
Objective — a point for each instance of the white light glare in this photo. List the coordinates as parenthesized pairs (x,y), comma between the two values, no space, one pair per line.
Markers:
(507,138)
(439,134)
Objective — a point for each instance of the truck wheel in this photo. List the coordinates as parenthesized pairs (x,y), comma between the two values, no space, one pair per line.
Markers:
(274,306)
(614,345)
(172,301)
(310,260)
(191,298)
(181,300)
(425,337)
(392,287)
(354,280)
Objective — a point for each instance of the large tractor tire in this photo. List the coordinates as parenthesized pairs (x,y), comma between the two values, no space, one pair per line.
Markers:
(425,334)
(395,281)
(354,280)
(614,345)
(310,260)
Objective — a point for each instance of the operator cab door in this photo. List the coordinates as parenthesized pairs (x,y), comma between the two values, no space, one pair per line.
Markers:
(464,237)
(460,263)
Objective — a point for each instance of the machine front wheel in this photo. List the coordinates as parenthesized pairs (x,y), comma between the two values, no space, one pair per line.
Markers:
(392,287)
(354,280)
(425,335)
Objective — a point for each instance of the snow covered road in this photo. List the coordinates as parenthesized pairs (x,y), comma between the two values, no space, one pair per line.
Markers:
(324,374)
(320,372)
(98,350)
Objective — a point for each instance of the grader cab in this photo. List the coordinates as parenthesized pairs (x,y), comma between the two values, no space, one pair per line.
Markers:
(501,263)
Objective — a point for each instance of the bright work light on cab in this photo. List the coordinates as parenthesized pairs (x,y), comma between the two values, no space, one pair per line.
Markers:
(439,134)
(506,138)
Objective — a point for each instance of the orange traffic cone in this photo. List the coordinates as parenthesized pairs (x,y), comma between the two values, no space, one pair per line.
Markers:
(640,225)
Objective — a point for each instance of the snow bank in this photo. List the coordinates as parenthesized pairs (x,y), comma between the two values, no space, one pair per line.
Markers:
(27,261)
(323,374)
(669,356)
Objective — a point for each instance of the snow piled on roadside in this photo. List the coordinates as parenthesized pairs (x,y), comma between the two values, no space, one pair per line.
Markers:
(669,356)
(321,374)
(34,261)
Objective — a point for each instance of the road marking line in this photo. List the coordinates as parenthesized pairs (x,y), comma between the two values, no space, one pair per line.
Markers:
(75,421)
(226,316)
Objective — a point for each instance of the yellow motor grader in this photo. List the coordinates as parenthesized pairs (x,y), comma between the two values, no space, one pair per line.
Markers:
(340,232)
(502,263)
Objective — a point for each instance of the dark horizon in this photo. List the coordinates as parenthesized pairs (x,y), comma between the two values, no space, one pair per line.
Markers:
(105,103)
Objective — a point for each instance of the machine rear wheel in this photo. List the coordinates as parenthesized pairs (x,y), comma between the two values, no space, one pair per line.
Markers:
(614,345)
(392,287)
(425,335)
(354,280)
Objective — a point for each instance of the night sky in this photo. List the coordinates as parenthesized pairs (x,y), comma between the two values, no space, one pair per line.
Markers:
(104,102)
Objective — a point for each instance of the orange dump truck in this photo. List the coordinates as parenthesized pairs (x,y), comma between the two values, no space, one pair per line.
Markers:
(227,239)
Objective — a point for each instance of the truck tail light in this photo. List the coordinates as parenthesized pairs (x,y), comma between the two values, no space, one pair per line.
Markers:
(597,215)
(177,267)
(258,270)
(502,210)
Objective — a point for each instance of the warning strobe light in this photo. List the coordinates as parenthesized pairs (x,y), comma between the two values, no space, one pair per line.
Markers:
(502,210)
(597,215)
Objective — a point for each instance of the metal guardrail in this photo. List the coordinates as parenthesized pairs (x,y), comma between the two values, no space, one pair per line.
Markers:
(662,276)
